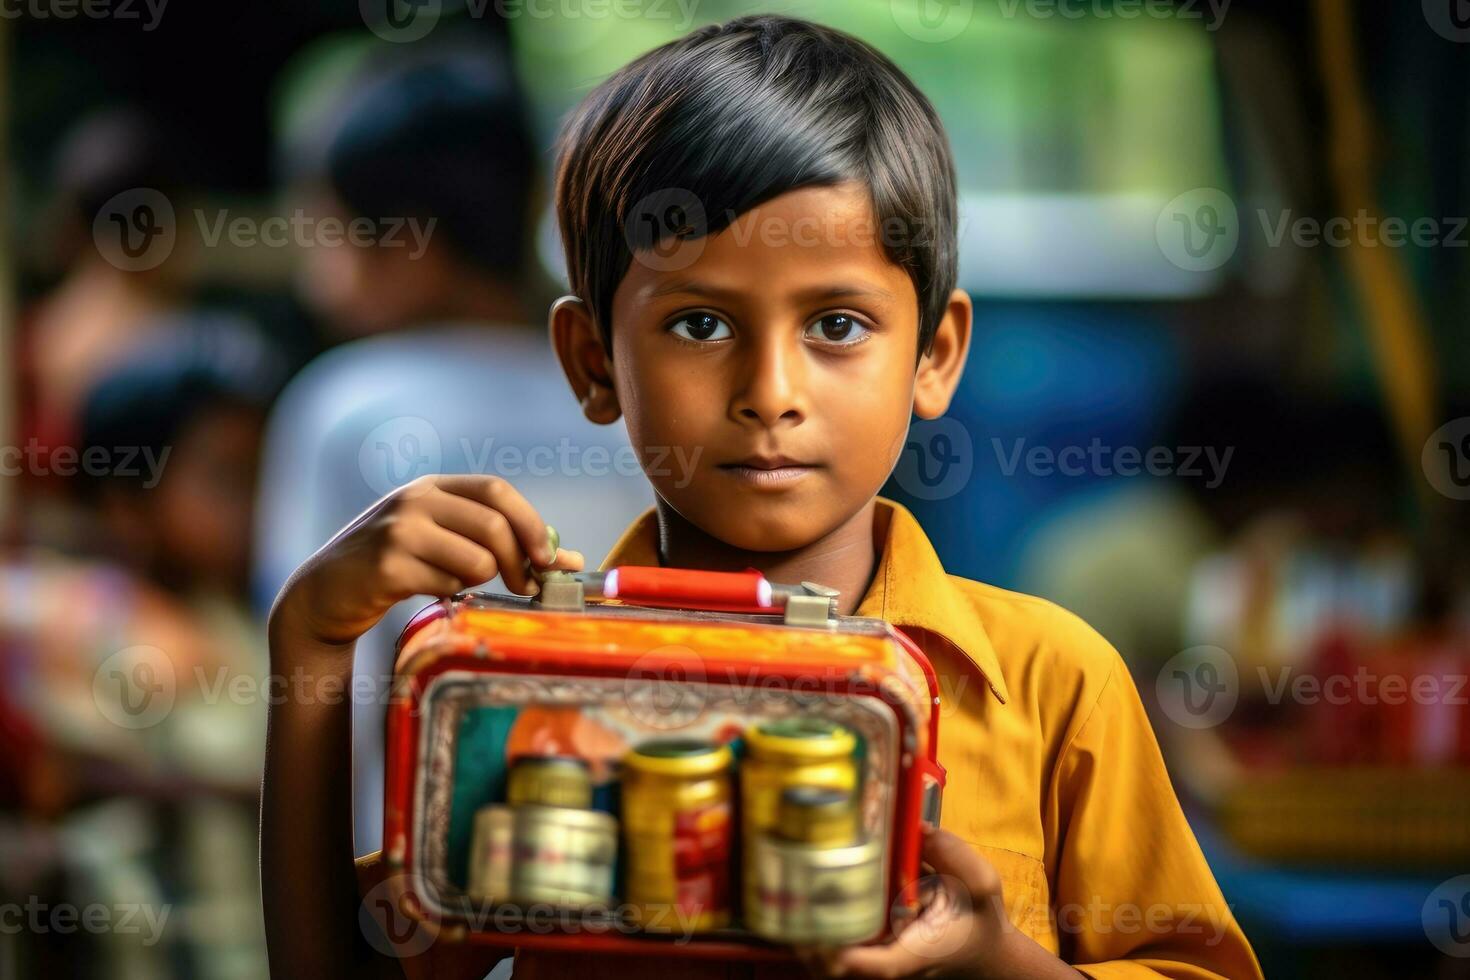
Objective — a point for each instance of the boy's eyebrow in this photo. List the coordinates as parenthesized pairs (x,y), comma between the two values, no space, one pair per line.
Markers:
(832,291)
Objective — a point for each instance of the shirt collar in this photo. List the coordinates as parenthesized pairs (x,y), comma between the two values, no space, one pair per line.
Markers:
(910,587)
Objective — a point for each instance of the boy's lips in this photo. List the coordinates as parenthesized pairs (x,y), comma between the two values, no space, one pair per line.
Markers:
(769,471)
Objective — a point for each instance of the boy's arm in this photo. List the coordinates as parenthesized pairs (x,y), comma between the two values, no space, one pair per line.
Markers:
(308,884)
(435,536)
(1134,896)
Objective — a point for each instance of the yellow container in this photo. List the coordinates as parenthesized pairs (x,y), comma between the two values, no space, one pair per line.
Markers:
(677,822)
(792,752)
(817,815)
(800,751)
(550,780)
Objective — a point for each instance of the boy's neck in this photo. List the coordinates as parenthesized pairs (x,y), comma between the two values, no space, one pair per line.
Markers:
(845,559)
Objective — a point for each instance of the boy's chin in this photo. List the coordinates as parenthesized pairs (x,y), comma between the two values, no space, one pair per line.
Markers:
(762,522)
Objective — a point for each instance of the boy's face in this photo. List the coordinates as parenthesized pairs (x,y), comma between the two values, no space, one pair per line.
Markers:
(768,384)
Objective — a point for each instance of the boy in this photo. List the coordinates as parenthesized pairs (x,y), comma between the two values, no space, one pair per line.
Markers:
(759,222)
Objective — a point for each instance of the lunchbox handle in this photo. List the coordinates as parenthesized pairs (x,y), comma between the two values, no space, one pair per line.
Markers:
(685,588)
(807,604)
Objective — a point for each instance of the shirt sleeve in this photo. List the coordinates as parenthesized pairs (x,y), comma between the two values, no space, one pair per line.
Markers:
(1134,896)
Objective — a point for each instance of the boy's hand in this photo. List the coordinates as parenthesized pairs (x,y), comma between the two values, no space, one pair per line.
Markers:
(960,930)
(435,536)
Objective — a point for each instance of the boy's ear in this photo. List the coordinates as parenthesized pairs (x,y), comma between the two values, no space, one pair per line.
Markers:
(583,358)
(940,368)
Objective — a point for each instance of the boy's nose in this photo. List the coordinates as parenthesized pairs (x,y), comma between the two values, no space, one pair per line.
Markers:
(771,390)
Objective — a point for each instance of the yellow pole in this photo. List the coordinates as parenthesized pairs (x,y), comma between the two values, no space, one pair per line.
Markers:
(1395,319)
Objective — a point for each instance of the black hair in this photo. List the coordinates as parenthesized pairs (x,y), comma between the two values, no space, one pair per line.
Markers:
(734,114)
(111,151)
(440,136)
(190,366)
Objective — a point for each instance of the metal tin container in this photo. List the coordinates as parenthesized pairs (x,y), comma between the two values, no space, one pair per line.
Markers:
(563,855)
(491,851)
(799,751)
(677,821)
(547,845)
(817,895)
(812,881)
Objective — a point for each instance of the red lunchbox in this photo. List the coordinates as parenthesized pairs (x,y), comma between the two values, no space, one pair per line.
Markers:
(600,664)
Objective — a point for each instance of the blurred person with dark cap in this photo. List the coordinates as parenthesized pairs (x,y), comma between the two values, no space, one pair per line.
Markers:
(135,706)
(433,152)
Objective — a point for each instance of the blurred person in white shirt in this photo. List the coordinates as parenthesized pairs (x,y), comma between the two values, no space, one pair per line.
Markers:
(446,376)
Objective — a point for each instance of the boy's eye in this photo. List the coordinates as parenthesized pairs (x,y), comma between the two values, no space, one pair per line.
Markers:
(701,326)
(837,328)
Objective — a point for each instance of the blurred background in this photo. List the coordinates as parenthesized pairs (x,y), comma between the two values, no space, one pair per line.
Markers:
(267,261)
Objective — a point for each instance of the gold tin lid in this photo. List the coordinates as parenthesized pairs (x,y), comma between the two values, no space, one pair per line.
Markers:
(800,739)
(817,815)
(679,757)
(549,780)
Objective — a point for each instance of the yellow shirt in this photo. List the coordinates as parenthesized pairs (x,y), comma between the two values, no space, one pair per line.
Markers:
(1053,775)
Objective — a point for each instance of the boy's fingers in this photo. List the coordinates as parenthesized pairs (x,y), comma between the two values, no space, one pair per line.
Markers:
(465,517)
(500,496)
(451,552)
(502,540)
(951,855)
(489,528)
(415,576)
(475,522)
